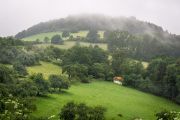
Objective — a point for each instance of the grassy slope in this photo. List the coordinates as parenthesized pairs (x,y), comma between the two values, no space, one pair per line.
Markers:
(45,68)
(69,44)
(117,99)
(41,36)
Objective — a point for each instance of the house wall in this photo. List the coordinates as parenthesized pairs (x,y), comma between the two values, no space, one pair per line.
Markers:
(118,82)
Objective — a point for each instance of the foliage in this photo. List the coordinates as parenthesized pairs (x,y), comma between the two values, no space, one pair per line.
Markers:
(15,109)
(52,53)
(132,80)
(46,39)
(101,70)
(56,39)
(60,82)
(41,83)
(7,75)
(25,88)
(20,68)
(85,55)
(28,58)
(168,115)
(92,36)
(142,46)
(65,34)
(76,71)
(72,111)
(8,54)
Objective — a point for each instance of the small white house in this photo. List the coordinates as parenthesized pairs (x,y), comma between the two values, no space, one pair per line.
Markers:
(118,80)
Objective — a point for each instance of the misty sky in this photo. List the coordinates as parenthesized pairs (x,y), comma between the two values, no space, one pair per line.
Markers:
(16,15)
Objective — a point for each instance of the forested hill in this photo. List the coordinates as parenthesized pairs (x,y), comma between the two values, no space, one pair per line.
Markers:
(97,22)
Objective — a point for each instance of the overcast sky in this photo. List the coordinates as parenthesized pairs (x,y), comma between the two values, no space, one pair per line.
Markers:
(16,15)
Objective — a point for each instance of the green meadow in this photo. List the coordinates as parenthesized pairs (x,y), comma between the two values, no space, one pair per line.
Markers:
(128,102)
(41,36)
(45,68)
(70,44)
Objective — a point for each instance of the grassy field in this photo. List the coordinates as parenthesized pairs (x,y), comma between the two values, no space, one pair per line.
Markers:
(117,99)
(45,68)
(69,44)
(41,36)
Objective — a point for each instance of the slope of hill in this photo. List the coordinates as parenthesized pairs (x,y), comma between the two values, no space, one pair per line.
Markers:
(128,102)
(98,22)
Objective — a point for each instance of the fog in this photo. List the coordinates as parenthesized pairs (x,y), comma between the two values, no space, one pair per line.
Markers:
(16,15)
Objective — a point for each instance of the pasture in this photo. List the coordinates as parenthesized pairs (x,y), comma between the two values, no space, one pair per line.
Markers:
(45,68)
(70,44)
(41,36)
(130,103)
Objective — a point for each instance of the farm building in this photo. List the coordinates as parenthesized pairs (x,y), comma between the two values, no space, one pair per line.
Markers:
(118,80)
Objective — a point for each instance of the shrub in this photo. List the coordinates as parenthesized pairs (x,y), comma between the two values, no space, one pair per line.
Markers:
(73,111)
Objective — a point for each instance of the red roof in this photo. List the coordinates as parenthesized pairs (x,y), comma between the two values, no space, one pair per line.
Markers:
(118,78)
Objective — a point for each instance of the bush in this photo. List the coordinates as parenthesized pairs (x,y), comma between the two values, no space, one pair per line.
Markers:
(20,68)
(56,39)
(65,34)
(60,82)
(25,88)
(28,59)
(168,115)
(6,75)
(41,84)
(132,80)
(73,111)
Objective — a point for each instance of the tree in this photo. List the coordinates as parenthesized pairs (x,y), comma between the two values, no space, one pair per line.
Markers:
(93,36)
(20,68)
(56,39)
(169,81)
(130,66)
(6,75)
(85,55)
(37,41)
(118,58)
(132,80)
(68,112)
(65,34)
(8,54)
(73,111)
(57,81)
(25,88)
(27,59)
(157,70)
(41,83)
(76,71)
(97,113)
(46,39)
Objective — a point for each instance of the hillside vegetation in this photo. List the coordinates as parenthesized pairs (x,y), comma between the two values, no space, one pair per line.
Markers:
(97,22)
(45,68)
(117,99)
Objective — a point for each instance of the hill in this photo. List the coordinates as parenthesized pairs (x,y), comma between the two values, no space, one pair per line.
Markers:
(120,100)
(97,22)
